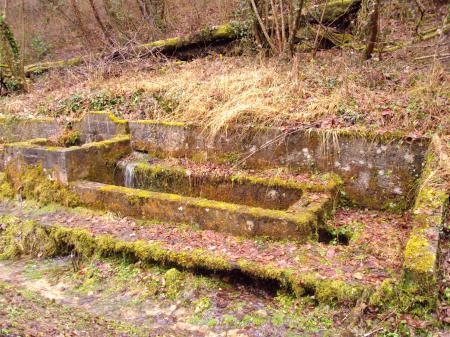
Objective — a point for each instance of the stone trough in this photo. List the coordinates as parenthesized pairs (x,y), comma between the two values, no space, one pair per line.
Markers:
(239,204)
(378,171)
(89,161)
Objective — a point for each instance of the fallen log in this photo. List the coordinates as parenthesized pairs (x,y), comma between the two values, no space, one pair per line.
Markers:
(337,13)
(329,37)
(169,47)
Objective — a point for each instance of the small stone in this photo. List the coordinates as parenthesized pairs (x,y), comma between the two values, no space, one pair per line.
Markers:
(261,313)
(358,276)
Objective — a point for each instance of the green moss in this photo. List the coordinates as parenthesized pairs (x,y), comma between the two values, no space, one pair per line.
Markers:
(421,249)
(173,282)
(228,158)
(137,194)
(404,296)
(163,123)
(419,255)
(332,181)
(32,182)
(32,238)
(69,138)
(199,156)
(6,190)
(384,137)
(336,292)
(29,143)
(40,68)
(432,197)
(107,142)
(25,238)
(172,42)
(111,116)
(430,206)
(325,291)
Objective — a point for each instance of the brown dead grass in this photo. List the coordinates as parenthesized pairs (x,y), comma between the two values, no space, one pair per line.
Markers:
(403,91)
(336,90)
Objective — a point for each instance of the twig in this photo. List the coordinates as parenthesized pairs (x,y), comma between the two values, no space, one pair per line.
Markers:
(270,142)
(263,27)
(422,13)
(295,24)
(372,332)
(277,25)
(432,56)
(283,28)
(318,29)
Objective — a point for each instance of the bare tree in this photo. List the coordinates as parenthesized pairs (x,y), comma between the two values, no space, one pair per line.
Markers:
(276,24)
(118,20)
(11,55)
(102,25)
(373,28)
(153,11)
(78,22)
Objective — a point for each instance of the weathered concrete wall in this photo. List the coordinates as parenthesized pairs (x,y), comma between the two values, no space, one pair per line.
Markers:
(93,127)
(17,130)
(299,224)
(379,170)
(237,189)
(98,126)
(429,217)
(95,161)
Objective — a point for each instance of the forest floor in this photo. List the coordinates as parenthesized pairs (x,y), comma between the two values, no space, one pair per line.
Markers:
(118,297)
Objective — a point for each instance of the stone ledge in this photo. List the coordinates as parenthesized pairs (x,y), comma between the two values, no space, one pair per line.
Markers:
(386,164)
(208,214)
(429,213)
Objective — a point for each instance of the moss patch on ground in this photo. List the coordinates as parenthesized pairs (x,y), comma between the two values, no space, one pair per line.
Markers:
(25,313)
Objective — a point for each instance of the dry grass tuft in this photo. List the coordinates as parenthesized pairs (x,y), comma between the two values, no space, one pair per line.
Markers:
(334,91)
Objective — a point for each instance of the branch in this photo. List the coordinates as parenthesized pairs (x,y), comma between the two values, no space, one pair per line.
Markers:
(295,24)
(263,28)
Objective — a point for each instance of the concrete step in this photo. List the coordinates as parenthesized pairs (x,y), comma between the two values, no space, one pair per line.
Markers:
(297,223)
(332,273)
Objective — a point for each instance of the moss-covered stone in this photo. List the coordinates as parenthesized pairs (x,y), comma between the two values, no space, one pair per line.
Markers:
(6,190)
(208,214)
(420,264)
(404,296)
(30,238)
(24,238)
(32,182)
(419,255)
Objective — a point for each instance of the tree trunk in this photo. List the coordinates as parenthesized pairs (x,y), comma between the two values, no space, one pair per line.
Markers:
(102,26)
(118,22)
(10,53)
(79,22)
(372,29)
(296,25)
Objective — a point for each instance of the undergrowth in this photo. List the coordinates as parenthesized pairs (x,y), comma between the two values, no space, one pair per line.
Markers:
(333,91)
